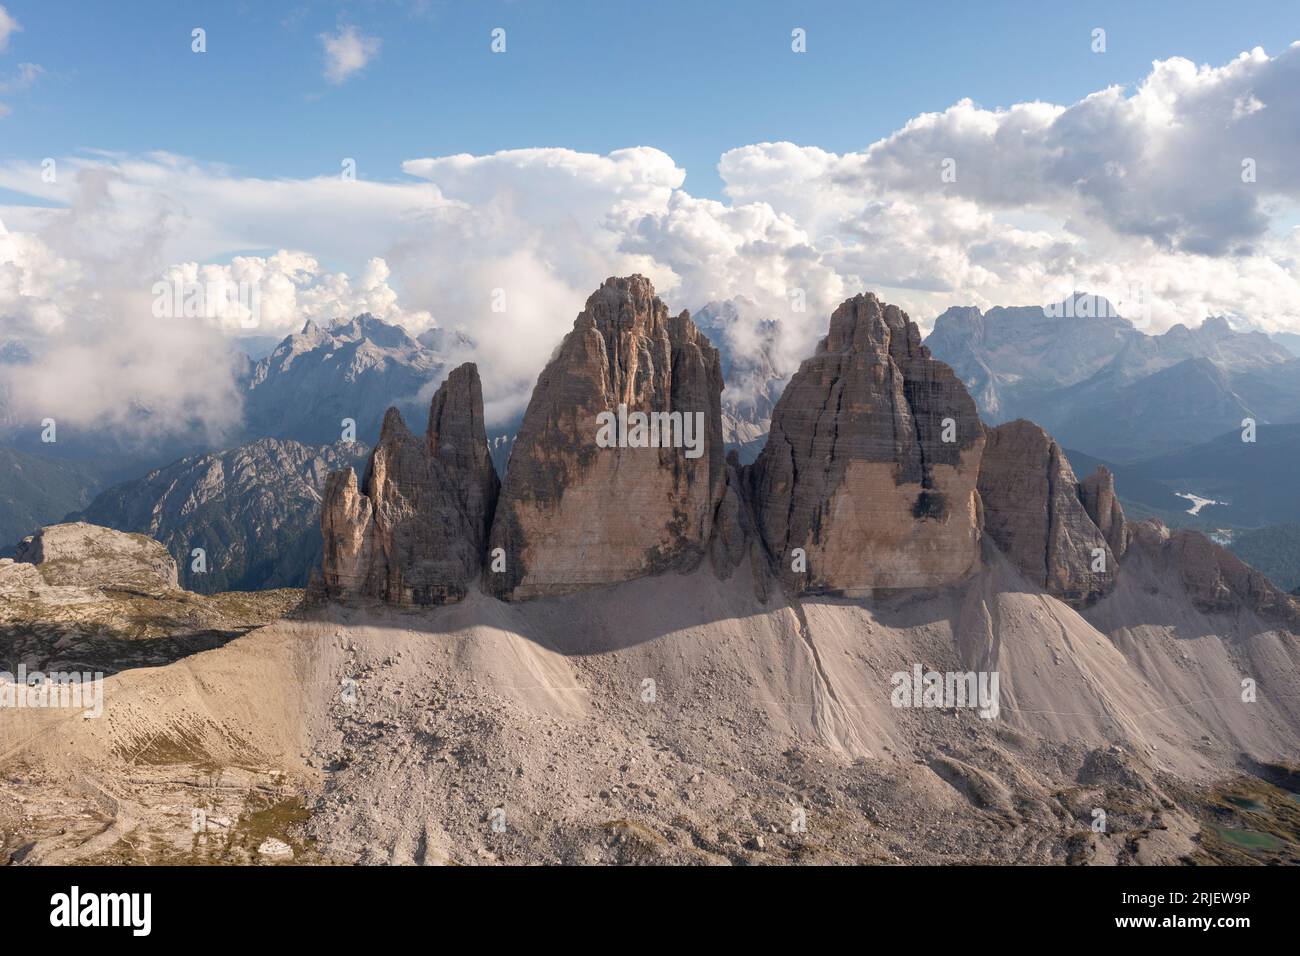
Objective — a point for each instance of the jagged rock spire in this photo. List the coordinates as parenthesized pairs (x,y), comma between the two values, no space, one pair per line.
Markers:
(1098,494)
(415,530)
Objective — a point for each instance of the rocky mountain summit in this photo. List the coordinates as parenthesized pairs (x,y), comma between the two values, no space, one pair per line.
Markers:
(573,514)
(877,476)
(353,369)
(414,531)
(872,461)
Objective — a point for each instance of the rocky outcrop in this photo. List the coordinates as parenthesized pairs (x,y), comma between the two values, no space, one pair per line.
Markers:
(575,513)
(871,463)
(414,531)
(84,598)
(84,555)
(1215,579)
(1102,504)
(1034,510)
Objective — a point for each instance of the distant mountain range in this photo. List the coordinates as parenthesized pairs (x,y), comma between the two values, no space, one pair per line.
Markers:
(315,379)
(1239,482)
(39,490)
(254,507)
(254,510)
(1104,387)
(299,393)
(1288,340)
(751,368)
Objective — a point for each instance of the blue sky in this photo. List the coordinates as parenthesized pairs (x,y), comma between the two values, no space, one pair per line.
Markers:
(691,78)
(1174,191)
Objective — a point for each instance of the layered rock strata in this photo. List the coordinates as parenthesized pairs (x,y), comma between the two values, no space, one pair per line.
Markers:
(415,530)
(1035,511)
(587,503)
(871,465)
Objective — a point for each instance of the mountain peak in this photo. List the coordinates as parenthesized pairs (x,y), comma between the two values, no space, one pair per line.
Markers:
(1082,305)
(414,531)
(366,328)
(354,370)
(1217,325)
(575,511)
(858,471)
(865,323)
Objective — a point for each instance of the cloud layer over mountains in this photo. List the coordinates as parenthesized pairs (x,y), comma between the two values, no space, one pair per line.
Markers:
(1126,193)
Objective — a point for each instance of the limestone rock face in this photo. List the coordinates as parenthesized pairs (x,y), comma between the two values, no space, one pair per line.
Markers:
(1035,512)
(732,525)
(872,461)
(84,555)
(348,534)
(415,530)
(573,514)
(1099,498)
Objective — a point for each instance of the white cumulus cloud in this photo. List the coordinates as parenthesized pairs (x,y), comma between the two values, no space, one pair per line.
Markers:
(347,52)
(8,26)
(1141,188)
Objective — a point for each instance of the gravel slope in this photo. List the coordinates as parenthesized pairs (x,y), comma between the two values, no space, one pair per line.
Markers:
(765,718)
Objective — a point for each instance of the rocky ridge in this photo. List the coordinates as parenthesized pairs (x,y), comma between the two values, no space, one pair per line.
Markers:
(877,476)
(414,531)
